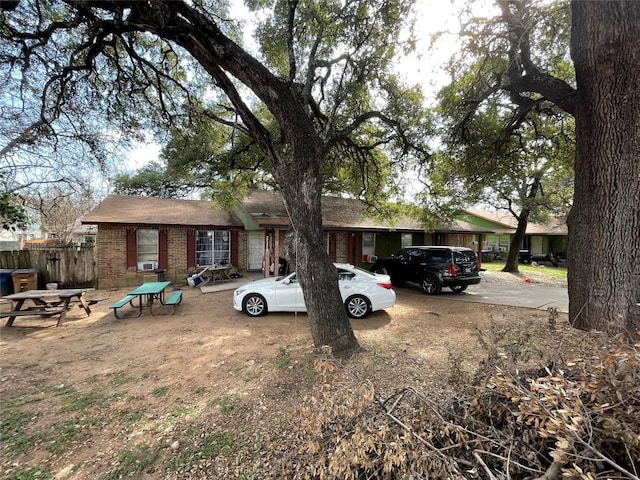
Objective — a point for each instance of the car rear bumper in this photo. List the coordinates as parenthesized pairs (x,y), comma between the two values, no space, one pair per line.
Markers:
(382,302)
(449,282)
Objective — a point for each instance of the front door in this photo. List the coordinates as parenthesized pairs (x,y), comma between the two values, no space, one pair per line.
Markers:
(255,246)
(536,245)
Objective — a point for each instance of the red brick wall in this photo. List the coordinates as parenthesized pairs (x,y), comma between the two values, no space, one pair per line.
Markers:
(111,257)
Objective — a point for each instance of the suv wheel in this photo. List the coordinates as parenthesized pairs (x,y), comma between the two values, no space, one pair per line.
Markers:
(430,285)
(458,288)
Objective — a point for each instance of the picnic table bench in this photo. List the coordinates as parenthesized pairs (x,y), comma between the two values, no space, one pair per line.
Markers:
(174,300)
(12,314)
(121,303)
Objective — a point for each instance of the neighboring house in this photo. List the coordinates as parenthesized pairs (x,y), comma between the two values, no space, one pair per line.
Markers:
(539,239)
(141,235)
(10,240)
(350,235)
(15,240)
(84,235)
(138,236)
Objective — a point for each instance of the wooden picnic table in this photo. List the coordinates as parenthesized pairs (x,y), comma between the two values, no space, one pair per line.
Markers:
(46,303)
(216,273)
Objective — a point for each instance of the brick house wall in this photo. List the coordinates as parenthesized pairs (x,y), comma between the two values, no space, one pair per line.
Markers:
(243,253)
(111,256)
(342,247)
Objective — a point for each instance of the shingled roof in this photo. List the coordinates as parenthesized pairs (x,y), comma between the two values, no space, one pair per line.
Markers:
(268,210)
(554,226)
(125,209)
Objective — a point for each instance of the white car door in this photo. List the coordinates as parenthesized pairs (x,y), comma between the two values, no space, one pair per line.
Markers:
(346,283)
(289,295)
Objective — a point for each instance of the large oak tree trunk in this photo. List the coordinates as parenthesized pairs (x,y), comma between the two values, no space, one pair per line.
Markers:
(511,265)
(603,254)
(301,183)
(521,230)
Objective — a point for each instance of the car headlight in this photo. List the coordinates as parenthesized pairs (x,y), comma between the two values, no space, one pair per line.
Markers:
(239,291)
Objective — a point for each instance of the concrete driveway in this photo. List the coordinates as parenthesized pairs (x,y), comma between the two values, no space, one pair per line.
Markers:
(522,294)
(527,295)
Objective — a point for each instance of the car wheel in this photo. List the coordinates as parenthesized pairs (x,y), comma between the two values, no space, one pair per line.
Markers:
(254,305)
(458,288)
(430,285)
(357,306)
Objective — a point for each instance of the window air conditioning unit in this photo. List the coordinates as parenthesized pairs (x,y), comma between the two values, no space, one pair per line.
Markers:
(370,258)
(147,266)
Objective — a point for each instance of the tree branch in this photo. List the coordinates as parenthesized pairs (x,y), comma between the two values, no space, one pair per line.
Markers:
(523,75)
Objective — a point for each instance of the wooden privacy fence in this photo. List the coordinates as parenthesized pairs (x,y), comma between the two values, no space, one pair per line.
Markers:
(70,267)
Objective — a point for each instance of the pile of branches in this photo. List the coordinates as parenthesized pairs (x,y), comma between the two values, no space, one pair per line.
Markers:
(579,419)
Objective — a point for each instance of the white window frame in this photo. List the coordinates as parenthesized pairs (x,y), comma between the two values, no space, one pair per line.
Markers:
(147,242)
(406,240)
(213,247)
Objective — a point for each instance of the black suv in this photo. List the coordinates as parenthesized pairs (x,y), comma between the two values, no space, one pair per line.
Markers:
(432,268)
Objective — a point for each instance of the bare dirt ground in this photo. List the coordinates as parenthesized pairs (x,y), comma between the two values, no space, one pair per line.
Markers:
(199,394)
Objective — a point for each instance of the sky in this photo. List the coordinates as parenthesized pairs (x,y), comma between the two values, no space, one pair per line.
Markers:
(423,68)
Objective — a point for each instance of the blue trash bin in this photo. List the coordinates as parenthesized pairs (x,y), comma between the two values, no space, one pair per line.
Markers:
(6,281)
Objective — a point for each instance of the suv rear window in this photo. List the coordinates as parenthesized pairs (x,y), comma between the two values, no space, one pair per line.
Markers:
(439,255)
(464,256)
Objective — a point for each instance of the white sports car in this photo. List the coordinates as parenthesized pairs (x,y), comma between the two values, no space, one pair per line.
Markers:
(363,292)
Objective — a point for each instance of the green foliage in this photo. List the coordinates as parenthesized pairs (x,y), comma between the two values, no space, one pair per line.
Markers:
(224,403)
(208,447)
(66,433)
(75,401)
(14,216)
(35,473)
(14,432)
(369,122)
(511,150)
(119,378)
(556,272)
(283,359)
(132,463)
(160,391)
(220,161)
(152,180)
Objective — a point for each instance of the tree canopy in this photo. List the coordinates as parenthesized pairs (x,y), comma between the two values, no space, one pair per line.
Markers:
(320,90)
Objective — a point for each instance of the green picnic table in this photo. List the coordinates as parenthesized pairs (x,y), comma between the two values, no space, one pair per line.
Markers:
(146,294)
